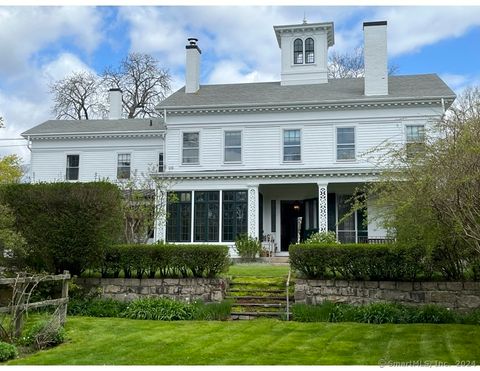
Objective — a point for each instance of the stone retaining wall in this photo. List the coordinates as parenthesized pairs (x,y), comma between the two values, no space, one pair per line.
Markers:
(186,289)
(461,296)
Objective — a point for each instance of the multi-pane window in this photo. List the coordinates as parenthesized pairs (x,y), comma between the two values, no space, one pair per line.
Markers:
(161,165)
(415,139)
(309,51)
(233,146)
(206,216)
(73,164)
(298,51)
(234,214)
(346,231)
(291,145)
(191,148)
(346,143)
(123,166)
(179,217)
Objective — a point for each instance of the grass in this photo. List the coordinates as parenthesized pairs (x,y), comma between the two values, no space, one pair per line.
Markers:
(258,270)
(115,341)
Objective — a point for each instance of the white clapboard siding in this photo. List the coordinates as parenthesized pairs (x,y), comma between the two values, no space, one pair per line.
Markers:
(98,157)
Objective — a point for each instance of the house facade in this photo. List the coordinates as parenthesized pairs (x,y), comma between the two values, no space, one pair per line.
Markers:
(274,160)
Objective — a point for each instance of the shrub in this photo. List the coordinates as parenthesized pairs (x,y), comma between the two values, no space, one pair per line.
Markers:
(7,351)
(248,247)
(380,313)
(213,311)
(168,260)
(43,335)
(67,226)
(159,309)
(359,261)
(322,237)
(96,307)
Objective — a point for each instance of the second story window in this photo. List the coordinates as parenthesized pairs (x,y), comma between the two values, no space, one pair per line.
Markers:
(298,51)
(345,143)
(309,51)
(123,166)
(291,145)
(233,146)
(73,165)
(191,148)
(161,165)
(415,139)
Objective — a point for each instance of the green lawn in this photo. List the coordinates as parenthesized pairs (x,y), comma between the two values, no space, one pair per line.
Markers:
(258,270)
(114,341)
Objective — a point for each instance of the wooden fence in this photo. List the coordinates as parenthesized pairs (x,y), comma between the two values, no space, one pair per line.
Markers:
(21,297)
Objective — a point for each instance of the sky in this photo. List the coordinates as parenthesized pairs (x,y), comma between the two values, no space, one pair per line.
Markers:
(42,44)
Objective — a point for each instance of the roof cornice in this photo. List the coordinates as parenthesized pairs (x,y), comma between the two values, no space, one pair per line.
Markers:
(269,174)
(73,135)
(378,102)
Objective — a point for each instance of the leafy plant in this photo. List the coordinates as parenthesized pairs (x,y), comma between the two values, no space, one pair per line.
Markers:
(43,335)
(96,307)
(7,351)
(213,311)
(159,309)
(322,237)
(248,247)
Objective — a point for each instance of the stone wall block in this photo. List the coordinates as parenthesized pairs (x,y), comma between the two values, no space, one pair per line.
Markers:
(341,283)
(371,284)
(454,286)
(405,286)
(390,285)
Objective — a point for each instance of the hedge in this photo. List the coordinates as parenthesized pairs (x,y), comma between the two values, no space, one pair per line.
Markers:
(67,225)
(360,261)
(164,260)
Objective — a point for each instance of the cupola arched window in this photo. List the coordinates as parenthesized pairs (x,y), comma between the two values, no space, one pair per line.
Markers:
(309,51)
(298,51)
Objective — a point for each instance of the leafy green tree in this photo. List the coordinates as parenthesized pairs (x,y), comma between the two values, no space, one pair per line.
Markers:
(431,196)
(12,244)
(10,169)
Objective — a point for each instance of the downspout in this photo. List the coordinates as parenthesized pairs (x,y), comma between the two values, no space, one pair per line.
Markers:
(443,105)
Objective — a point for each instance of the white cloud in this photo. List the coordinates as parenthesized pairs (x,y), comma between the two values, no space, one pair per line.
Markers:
(411,28)
(458,83)
(241,34)
(228,72)
(24,31)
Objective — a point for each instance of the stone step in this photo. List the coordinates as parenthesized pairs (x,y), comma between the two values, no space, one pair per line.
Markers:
(247,315)
(259,290)
(255,297)
(261,305)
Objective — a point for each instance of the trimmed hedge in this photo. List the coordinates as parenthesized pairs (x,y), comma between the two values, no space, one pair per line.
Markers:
(67,225)
(164,260)
(360,261)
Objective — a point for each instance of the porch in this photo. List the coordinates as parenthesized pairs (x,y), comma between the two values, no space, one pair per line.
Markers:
(276,211)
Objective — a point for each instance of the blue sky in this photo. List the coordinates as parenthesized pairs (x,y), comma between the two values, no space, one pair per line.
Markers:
(39,45)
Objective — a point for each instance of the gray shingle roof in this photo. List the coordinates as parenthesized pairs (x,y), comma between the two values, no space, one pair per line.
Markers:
(335,91)
(63,127)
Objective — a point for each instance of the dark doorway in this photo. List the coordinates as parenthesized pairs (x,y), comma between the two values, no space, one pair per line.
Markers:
(289,212)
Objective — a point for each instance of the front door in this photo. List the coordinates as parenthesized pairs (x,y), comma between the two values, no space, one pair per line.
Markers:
(289,213)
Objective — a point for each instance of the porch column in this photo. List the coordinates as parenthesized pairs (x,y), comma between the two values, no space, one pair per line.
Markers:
(322,207)
(161,198)
(253,210)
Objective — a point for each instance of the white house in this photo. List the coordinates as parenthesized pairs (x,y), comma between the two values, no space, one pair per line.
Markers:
(253,158)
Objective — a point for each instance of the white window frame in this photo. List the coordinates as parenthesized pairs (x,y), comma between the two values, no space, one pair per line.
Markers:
(66,166)
(117,154)
(354,159)
(182,148)
(303,51)
(283,146)
(225,146)
(158,162)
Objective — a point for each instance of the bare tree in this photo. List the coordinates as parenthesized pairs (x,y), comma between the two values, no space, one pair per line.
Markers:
(1,122)
(78,96)
(350,65)
(143,83)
